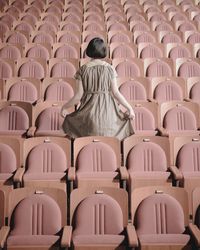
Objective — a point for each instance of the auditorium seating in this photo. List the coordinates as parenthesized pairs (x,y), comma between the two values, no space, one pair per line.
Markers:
(98,186)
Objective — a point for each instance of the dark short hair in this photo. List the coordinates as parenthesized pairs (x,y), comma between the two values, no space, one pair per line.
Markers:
(96,48)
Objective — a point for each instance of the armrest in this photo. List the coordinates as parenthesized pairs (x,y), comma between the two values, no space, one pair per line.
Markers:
(163,131)
(3,235)
(66,236)
(132,236)
(31,131)
(19,174)
(195,233)
(72,174)
(176,172)
(187,99)
(123,173)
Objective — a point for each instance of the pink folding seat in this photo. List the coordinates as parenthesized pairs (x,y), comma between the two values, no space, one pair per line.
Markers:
(43,37)
(133,90)
(19,4)
(147,161)
(59,90)
(67,37)
(194,92)
(178,17)
(121,50)
(179,119)
(66,51)
(157,17)
(87,36)
(38,51)
(189,68)
(47,27)
(35,11)
(132,9)
(103,168)
(168,90)
(45,229)
(70,26)
(72,17)
(139,26)
(110,211)
(151,51)
(145,122)
(62,68)
(29,18)
(24,27)
(22,90)
(15,118)
(179,52)
(156,209)
(135,18)
(115,17)
(3,29)
(119,37)
(16,37)
(10,52)
(171,37)
(194,38)
(128,68)
(6,70)
(31,68)
(7,19)
(13,11)
(93,26)
(163,27)
(54,9)
(158,68)
(145,37)
(186,26)
(50,18)
(117,26)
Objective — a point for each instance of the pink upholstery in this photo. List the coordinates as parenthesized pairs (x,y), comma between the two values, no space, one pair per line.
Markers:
(10,52)
(145,38)
(171,38)
(59,91)
(63,69)
(188,158)
(144,120)
(39,224)
(178,17)
(151,51)
(117,26)
(136,17)
(195,92)
(5,70)
(123,51)
(147,157)
(194,38)
(66,51)
(96,157)
(120,37)
(8,162)
(186,26)
(71,27)
(179,119)
(164,27)
(158,69)
(157,17)
(47,27)
(127,69)
(189,69)
(31,69)
(49,120)
(168,91)
(23,91)
(69,38)
(133,90)
(179,52)
(13,119)
(140,26)
(43,37)
(38,51)
(99,216)
(93,26)
(23,26)
(155,217)
(29,19)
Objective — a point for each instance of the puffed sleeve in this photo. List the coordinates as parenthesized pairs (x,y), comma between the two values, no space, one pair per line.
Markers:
(78,75)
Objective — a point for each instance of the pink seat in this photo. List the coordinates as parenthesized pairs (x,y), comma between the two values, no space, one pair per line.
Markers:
(128,69)
(179,52)
(69,38)
(123,51)
(43,37)
(171,38)
(145,38)
(63,69)
(10,52)
(156,224)
(5,70)
(189,69)
(71,27)
(38,51)
(194,38)
(195,92)
(59,91)
(151,51)
(133,91)
(120,38)
(31,69)
(66,51)
(158,69)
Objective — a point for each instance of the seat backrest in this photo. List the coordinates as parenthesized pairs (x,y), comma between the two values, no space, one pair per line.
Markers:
(13,118)
(31,69)
(133,90)
(98,214)
(188,157)
(50,158)
(38,51)
(43,37)
(151,51)
(49,119)
(179,118)
(158,69)
(145,38)
(66,51)
(59,91)
(189,69)
(144,119)
(63,69)
(37,214)
(23,91)
(194,38)
(96,157)
(168,91)
(171,38)
(123,51)
(10,52)
(8,161)
(5,70)
(145,157)
(155,215)
(127,69)
(179,52)
(195,92)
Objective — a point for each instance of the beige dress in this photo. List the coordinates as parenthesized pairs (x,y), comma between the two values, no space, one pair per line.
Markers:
(98,113)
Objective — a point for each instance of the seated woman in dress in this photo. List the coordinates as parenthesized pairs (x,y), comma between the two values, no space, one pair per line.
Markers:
(98,97)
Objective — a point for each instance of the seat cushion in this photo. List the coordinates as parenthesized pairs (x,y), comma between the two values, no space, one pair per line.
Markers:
(164,239)
(53,176)
(96,175)
(114,240)
(149,175)
(33,240)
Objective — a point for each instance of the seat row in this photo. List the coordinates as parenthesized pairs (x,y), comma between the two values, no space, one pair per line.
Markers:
(99,219)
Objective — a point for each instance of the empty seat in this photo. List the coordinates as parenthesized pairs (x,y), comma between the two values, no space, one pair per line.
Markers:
(144,37)
(16,37)
(6,69)
(41,37)
(10,52)
(97,163)
(119,37)
(158,68)
(37,51)
(188,68)
(68,37)
(193,89)
(170,37)
(121,50)
(62,68)
(66,50)
(150,50)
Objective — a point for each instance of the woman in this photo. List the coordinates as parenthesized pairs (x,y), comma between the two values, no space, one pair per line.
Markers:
(98,94)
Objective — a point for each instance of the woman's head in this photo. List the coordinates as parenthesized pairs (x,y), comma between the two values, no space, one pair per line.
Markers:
(96,48)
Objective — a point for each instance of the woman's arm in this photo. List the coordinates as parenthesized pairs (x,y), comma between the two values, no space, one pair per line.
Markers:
(121,99)
(75,99)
